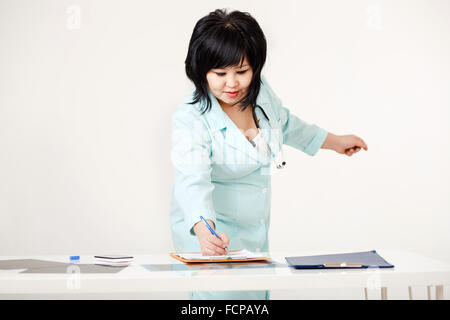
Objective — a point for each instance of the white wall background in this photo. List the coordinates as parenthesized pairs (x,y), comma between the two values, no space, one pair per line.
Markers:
(87,90)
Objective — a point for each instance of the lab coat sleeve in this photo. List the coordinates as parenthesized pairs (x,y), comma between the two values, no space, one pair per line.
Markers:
(296,132)
(190,155)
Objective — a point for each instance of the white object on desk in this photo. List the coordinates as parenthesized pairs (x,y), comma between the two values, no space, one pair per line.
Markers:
(113,260)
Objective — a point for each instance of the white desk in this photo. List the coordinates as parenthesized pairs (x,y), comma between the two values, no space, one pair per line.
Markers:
(168,274)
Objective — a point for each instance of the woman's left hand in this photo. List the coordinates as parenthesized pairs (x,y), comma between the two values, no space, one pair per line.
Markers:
(346,144)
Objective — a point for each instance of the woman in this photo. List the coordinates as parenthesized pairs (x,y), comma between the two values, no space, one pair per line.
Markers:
(226,135)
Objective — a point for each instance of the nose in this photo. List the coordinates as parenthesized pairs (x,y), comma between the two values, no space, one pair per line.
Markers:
(232,82)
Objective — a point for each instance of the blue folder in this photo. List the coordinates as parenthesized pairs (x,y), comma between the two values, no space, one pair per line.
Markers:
(354,260)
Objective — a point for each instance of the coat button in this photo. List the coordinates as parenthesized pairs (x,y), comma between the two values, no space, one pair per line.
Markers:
(257,249)
(261,221)
(264,190)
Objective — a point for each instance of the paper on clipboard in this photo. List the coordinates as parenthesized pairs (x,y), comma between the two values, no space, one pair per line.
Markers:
(238,255)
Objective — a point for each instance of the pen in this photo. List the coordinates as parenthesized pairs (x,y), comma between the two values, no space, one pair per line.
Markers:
(212,231)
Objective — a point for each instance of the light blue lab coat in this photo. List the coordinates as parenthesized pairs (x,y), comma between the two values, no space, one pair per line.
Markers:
(219,174)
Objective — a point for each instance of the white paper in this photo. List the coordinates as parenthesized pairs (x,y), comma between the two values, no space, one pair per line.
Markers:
(235,255)
(114,261)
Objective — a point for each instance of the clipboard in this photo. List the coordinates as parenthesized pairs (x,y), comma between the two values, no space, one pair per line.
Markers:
(177,256)
(353,260)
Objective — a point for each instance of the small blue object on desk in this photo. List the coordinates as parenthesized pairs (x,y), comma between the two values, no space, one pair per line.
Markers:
(74,259)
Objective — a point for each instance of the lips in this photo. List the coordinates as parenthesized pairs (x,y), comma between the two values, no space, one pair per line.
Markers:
(232,94)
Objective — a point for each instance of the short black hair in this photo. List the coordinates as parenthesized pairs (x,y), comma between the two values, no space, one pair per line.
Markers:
(221,39)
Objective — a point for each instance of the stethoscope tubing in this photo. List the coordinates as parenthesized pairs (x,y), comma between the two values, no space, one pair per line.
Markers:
(279,159)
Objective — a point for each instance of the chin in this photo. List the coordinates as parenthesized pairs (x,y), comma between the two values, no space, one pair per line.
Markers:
(229,100)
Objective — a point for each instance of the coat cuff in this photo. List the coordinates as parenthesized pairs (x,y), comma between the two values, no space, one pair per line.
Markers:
(316,142)
(196,218)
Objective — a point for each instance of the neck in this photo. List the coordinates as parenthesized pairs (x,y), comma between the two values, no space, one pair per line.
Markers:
(227,106)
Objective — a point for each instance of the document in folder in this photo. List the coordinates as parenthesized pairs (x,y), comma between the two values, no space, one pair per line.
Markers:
(232,256)
(368,259)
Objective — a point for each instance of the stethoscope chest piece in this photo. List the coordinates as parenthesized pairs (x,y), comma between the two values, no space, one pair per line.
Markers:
(279,160)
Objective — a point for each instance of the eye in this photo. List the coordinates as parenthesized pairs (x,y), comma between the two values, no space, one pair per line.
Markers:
(242,72)
(220,74)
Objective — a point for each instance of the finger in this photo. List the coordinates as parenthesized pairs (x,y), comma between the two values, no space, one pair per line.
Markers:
(365,146)
(218,251)
(217,246)
(221,251)
(207,252)
(214,250)
(356,141)
(225,239)
(362,144)
(217,242)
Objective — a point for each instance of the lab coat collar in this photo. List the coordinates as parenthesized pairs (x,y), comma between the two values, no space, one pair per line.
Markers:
(216,117)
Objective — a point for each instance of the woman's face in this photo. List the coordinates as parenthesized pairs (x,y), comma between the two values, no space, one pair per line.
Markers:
(229,85)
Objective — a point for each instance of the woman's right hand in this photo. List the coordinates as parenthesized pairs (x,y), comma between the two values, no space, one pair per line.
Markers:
(209,244)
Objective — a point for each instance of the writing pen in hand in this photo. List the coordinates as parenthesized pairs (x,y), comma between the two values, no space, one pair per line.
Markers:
(213,232)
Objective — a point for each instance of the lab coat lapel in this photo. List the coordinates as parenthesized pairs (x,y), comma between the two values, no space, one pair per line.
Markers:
(244,152)
(244,149)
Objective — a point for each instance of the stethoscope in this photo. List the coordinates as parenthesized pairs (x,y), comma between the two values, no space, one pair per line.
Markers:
(279,158)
